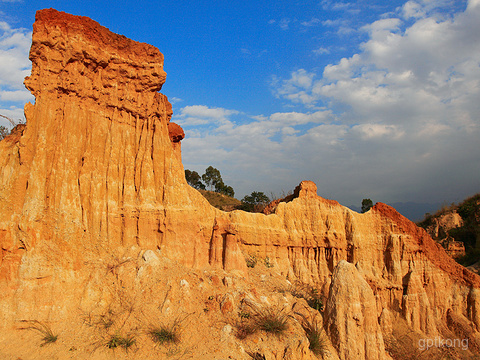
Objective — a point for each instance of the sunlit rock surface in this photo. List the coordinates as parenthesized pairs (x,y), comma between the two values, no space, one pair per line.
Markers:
(96,218)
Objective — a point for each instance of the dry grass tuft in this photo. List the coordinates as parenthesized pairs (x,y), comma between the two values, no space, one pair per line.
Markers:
(48,337)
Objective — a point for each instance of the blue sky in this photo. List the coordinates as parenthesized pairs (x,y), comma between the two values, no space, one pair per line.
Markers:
(369,99)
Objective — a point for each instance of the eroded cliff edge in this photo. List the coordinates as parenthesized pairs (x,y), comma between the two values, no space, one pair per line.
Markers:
(97,171)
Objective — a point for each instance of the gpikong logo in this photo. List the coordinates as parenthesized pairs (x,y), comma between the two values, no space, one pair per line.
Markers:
(438,342)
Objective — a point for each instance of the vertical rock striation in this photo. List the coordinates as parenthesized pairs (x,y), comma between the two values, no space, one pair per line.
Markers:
(351,316)
(98,166)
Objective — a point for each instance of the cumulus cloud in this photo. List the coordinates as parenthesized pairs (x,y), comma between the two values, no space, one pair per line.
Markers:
(14,48)
(14,67)
(236,146)
(201,115)
(429,69)
(398,118)
(412,9)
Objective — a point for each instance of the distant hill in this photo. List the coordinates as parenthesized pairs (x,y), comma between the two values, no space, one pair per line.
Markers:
(220,201)
(415,211)
(411,210)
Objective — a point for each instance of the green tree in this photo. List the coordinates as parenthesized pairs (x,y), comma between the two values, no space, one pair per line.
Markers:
(212,177)
(194,180)
(366,205)
(221,188)
(255,202)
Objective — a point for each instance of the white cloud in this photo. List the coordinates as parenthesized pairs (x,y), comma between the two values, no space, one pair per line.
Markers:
(412,9)
(284,23)
(382,28)
(297,88)
(429,69)
(14,113)
(321,51)
(235,146)
(297,118)
(14,67)
(472,4)
(312,22)
(336,5)
(398,117)
(14,48)
(174,100)
(375,131)
(201,114)
(15,96)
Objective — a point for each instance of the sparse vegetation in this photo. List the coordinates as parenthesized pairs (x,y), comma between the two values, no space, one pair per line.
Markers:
(164,334)
(256,355)
(211,178)
(194,179)
(468,233)
(221,201)
(314,332)
(3,132)
(221,195)
(267,262)
(118,340)
(244,328)
(272,319)
(245,325)
(251,261)
(255,202)
(309,293)
(48,337)
(244,315)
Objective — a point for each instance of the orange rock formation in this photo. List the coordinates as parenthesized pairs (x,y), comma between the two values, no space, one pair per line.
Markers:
(97,171)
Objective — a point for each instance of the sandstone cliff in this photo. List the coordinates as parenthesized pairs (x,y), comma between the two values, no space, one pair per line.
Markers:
(98,226)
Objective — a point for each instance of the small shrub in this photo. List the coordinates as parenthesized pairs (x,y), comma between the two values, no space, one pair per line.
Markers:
(272,319)
(244,329)
(106,320)
(119,341)
(164,334)
(251,261)
(309,293)
(315,301)
(115,341)
(244,315)
(315,336)
(267,262)
(256,355)
(48,337)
